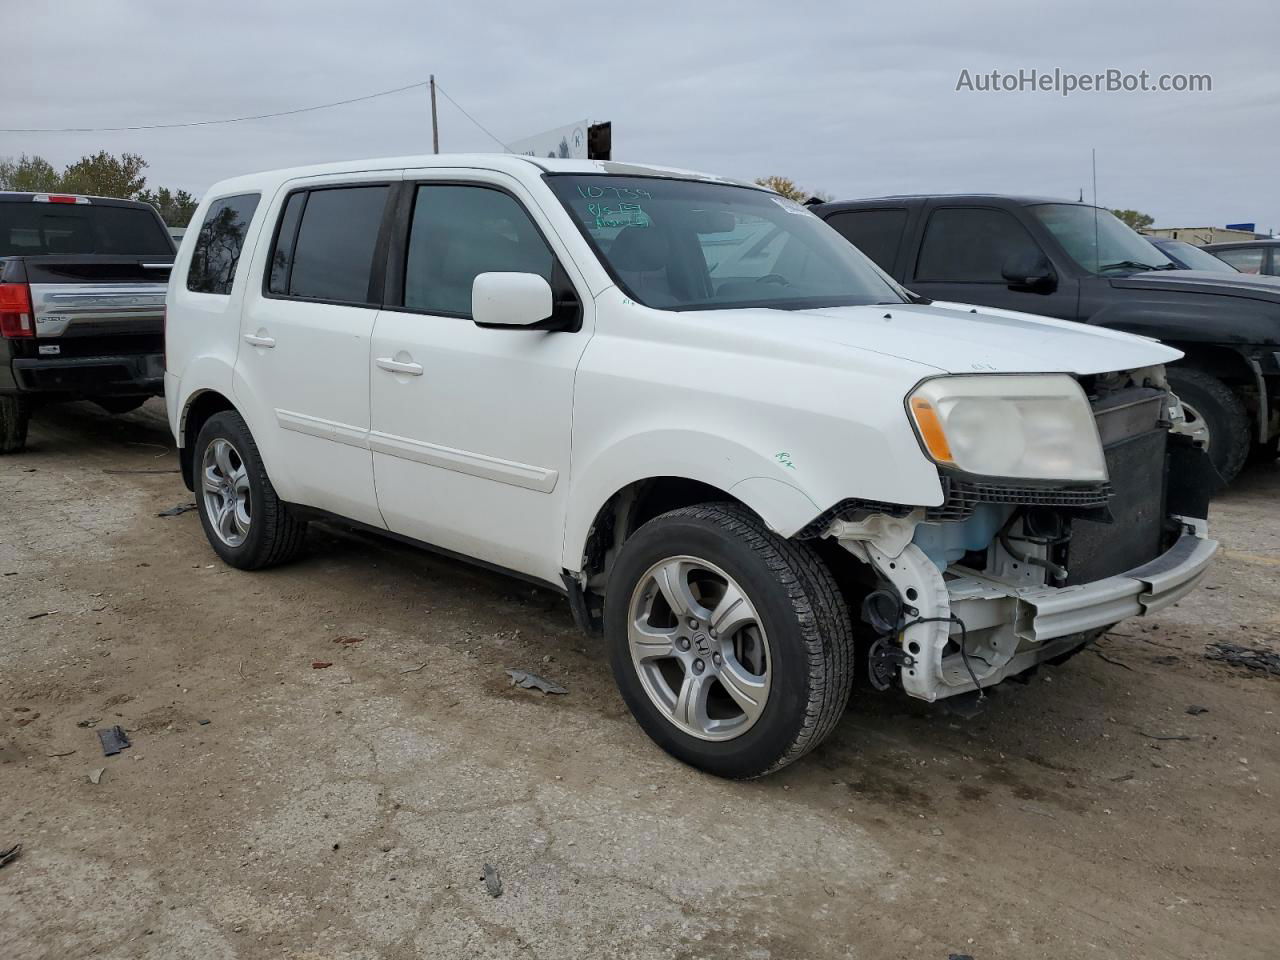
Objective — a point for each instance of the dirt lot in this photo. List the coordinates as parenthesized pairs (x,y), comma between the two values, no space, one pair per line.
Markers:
(348,811)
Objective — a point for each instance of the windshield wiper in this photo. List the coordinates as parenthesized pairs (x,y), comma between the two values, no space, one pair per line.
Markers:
(1132,265)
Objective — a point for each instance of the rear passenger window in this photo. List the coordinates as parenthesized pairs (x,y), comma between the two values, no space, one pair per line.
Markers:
(218,245)
(325,244)
(970,245)
(876,233)
(458,232)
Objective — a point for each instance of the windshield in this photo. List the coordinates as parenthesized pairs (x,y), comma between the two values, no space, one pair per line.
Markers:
(1098,242)
(35,229)
(1194,258)
(688,245)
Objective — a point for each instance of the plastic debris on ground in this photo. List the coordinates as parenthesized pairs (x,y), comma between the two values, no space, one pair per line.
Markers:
(176,511)
(10,854)
(531,681)
(1252,658)
(492,882)
(113,740)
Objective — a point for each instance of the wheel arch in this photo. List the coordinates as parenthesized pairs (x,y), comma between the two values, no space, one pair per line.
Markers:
(1239,373)
(783,508)
(199,407)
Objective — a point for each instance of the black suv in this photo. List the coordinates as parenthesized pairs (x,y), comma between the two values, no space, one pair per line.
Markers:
(1078,262)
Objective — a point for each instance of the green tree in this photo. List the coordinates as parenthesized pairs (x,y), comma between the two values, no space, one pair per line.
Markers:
(105,175)
(101,175)
(28,175)
(791,190)
(1134,218)
(176,207)
(785,186)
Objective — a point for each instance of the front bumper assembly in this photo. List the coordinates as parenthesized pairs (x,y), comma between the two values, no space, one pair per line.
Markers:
(1011,628)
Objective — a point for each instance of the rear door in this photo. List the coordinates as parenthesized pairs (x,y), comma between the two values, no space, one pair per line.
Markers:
(302,370)
(961,256)
(876,231)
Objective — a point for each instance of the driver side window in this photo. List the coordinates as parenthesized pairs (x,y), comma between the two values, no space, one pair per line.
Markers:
(971,245)
(459,231)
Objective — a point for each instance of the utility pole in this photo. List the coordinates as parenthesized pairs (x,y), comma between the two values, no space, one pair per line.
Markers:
(435,127)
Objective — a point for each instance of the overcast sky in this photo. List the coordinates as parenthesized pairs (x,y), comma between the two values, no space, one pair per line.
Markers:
(854,100)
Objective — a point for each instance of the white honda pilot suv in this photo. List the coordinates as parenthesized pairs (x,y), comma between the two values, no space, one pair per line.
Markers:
(750,459)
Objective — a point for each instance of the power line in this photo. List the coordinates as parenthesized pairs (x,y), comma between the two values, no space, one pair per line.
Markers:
(472,119)
(259,116)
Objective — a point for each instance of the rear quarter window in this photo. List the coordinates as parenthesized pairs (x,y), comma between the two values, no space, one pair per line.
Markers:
(218,244)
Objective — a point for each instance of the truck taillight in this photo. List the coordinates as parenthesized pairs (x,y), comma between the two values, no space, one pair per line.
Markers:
(15,311)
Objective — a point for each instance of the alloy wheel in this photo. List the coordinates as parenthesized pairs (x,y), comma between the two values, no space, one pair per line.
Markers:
(225,486)
(699,648)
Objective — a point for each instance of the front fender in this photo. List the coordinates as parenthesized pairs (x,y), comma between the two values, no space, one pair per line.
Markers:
(748,475)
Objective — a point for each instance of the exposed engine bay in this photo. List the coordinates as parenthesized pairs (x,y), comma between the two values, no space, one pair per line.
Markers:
(1004,575)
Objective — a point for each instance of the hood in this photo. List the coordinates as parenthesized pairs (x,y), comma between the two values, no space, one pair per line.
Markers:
(958,338)
(1246,285)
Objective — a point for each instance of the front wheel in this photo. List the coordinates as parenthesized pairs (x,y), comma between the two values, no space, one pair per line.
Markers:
(1217,417)
(247,524)
(731,645)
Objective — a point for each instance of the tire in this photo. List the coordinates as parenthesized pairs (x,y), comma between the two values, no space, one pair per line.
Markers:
(118,405)
(15,412)
(800,622)
(1222,413)
(258,530)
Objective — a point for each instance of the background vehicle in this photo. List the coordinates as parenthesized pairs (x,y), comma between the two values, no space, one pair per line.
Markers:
(1190,257)
(1075,262)
(82,282)
(1256,256)
(765,430)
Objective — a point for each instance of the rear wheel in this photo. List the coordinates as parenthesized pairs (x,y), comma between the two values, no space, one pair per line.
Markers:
(1217,417)
(246,523)
(731,645)
(15,412)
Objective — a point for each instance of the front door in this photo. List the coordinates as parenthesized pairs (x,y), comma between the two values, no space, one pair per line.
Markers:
(471,426)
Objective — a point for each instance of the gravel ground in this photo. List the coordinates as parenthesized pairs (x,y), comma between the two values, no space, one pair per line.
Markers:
(270,809)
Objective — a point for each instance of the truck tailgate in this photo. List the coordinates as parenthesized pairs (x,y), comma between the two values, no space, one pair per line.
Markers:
(90,296)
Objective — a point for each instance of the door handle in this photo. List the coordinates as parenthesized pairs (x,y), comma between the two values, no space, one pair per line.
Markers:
(259,341)
(399,366)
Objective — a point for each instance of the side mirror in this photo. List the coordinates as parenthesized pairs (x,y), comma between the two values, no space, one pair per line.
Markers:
(1029,270)
(510,299)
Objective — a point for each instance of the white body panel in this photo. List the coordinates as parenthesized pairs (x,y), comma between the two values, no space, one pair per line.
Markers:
(508,443)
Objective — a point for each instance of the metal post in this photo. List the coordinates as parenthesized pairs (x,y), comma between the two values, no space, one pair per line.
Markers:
(435,127)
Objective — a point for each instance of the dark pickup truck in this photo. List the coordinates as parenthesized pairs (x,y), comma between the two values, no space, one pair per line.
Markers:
(82,284)
(1077,262)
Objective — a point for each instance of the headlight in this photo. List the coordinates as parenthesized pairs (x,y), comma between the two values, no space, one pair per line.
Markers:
(1033,427)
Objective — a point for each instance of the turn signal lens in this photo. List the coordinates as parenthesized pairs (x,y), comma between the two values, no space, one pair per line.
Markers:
(931,432)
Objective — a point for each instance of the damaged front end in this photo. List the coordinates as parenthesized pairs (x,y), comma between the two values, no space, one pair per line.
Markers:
(1007,573)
